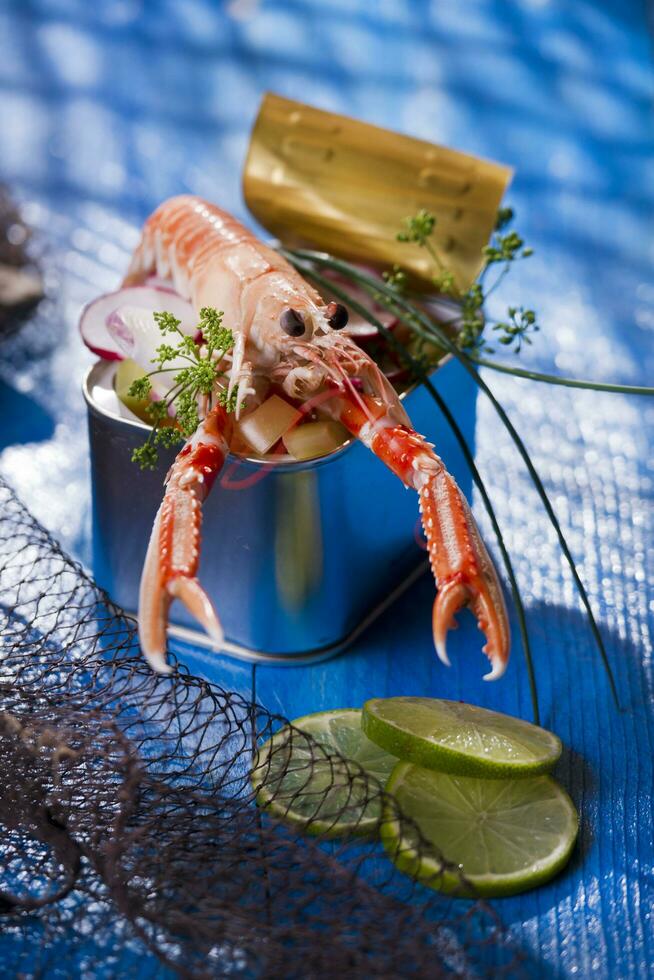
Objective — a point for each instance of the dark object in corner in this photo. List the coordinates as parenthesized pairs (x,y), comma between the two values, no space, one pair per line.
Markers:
(21,285)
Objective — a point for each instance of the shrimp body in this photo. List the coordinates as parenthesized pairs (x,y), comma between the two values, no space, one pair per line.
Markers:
(213,260)
(284,332)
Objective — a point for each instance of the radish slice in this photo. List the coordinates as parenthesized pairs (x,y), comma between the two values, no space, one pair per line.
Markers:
(138,336)
(357,327)
(120,324)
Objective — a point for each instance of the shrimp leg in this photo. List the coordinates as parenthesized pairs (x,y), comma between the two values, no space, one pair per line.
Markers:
(172,558)
(462,567)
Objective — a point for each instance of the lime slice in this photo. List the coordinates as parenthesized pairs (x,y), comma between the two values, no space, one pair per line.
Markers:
(506,836)
(297,778)
(460,738)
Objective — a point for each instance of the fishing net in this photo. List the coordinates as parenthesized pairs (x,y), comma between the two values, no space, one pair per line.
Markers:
(130,839)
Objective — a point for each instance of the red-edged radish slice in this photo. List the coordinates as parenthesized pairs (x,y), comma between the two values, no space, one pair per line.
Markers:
(117,325)
(357,327)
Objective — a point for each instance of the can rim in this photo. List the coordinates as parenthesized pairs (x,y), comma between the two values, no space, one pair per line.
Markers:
(278,462)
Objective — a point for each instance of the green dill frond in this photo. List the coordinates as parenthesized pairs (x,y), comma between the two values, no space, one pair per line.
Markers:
(216,337)
(445,283)
(396,278)
(195,381)
(140,388)
(158,411)
(168,436)
(167,322)
(418,228)
(504,248)
(228,402)
(504,217)
(146,456)
(520,325)
(165,354)
(186,411)
(204,376)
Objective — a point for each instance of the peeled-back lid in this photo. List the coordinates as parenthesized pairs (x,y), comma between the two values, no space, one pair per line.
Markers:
(320,180)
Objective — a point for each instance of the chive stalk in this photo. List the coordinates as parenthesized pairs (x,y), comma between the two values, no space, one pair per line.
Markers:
(427,328)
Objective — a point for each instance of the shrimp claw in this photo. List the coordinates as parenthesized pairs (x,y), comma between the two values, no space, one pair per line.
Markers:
(463,570)
(172,558)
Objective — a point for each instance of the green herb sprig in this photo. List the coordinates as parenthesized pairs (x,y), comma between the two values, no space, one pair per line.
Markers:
(504,248)
(520,325)
(190,384)
(517,329)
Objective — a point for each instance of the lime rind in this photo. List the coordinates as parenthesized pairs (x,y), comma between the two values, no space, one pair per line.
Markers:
(458,738)
(469,822)
(308,775)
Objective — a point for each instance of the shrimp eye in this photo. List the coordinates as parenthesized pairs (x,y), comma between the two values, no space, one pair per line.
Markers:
(337,316)
(292,323)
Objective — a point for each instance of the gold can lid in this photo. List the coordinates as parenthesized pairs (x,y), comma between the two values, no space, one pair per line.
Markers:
(321,180)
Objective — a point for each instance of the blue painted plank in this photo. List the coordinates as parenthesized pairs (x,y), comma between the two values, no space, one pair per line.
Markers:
(107,108)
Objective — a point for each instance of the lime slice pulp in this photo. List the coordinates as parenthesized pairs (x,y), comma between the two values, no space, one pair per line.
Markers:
(459,738)
(297,778)
(504,835)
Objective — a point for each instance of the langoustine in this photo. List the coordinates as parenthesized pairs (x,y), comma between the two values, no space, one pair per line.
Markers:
(284,333)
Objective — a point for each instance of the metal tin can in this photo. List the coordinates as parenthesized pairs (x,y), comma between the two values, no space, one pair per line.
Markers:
(298,557)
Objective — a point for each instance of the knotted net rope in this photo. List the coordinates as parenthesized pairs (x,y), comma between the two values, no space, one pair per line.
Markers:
(131,842)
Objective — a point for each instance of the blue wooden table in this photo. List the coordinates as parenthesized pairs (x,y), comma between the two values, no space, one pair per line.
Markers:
(107,108)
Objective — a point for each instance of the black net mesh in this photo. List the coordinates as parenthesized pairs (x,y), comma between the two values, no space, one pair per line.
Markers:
(131,841)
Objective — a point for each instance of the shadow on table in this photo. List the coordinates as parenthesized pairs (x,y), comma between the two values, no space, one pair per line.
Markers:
(395,656)
(23,419)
